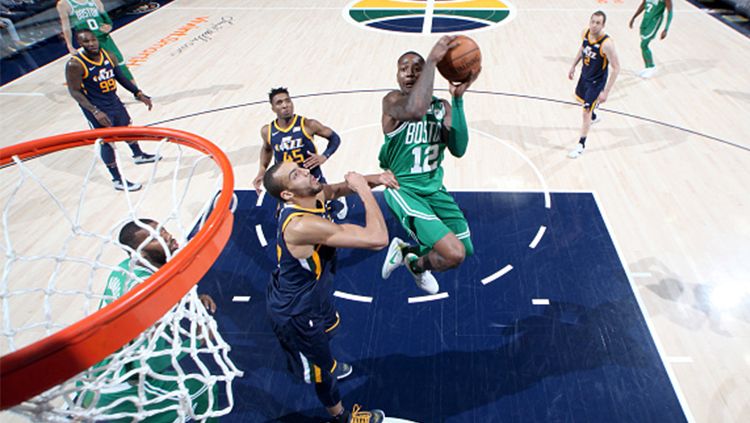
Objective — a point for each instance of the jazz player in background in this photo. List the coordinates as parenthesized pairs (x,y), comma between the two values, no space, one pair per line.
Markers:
(597,52)
(289,138)
(89,14)
(92,77)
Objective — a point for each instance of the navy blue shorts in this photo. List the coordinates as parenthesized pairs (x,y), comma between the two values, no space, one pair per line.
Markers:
(305,341)
(117,114)
(587,92)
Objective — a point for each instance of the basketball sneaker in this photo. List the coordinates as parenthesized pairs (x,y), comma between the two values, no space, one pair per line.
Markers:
(595,118)
(120,186)
(341,214)
(576,152)
(146,158)
(342,370)
(424,280)
(364,416)
(394,258)
(647,72)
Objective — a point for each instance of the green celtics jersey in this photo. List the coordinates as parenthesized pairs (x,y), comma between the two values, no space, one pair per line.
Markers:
(654,10)
(120,282)
(414,151)
(85,15)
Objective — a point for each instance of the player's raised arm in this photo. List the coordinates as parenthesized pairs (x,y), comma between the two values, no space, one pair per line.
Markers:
(313,230)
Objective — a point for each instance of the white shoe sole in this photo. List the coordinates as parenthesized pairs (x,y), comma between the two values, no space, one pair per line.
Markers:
(393,258)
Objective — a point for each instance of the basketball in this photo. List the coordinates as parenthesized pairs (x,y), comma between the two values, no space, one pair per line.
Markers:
(461,61)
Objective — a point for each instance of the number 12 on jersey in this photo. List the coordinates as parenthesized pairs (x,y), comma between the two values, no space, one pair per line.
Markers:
(425,157)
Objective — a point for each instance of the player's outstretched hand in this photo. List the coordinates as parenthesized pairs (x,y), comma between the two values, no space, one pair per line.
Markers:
(258,182)
(445,43)
(143,98)
(356,182)
(458,90)
(602,97)
(102,118)
(208,302)
(388,180)
(314,160)
(663,34)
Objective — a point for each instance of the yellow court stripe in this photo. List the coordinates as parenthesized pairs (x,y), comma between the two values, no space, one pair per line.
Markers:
(396,4)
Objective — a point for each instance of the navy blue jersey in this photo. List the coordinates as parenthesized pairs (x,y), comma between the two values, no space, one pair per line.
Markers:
(595,63)
(292,144)
(301,286)
(99,83)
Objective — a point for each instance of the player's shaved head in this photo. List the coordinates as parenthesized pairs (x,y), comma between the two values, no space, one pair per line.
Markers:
(129,233)
(410,53)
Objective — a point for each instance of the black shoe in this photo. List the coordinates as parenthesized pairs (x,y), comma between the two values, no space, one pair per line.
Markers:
(342,370)
(146,158)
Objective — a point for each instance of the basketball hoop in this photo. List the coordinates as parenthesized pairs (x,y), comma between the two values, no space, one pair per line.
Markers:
(51,361)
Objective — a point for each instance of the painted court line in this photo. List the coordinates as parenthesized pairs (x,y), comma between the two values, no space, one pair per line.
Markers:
(241,298)
(260,198)
(539,301)
(538,237)
(497,274)
(261,236)
(426,298)
(684,359)
(646,317)
(352,297)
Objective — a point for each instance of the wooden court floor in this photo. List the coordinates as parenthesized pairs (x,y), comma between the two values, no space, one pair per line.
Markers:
(669,163)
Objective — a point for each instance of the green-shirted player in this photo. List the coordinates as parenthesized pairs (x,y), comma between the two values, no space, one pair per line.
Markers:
(650,25)
(89,14)
(119,283)
(418,127)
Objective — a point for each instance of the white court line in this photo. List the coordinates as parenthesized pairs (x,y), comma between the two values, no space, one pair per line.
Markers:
(540,301)
(425,298)
(649,324)
(261,236)
(352,297)
(241,298)
(640,275)
(545,188)
(428,14)
(260,198)
(538,237)
(22,94)
(684,359)
(497,274)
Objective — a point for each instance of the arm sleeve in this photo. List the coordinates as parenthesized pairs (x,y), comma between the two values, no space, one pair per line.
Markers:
(669,19)
(333,144)
(124,81)
(458,138)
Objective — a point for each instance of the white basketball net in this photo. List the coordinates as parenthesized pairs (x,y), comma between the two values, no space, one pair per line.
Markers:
(180,365)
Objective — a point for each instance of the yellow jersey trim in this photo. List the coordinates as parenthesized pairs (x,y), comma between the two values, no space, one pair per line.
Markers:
(304,131)
(289,219)
(316,210)
(318,268)
(334,326)
(291,125)
(85,69)
(101,58)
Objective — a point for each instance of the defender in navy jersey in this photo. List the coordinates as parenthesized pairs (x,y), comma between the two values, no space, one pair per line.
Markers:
(92,75)
(289,138)
(299,296)
(597,52)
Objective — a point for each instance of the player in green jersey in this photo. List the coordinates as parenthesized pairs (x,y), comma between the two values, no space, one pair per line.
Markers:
(89,14)
(139,239)
(649,27)
(418,127)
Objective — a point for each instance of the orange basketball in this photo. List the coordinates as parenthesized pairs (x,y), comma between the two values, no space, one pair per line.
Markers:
(461,61)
